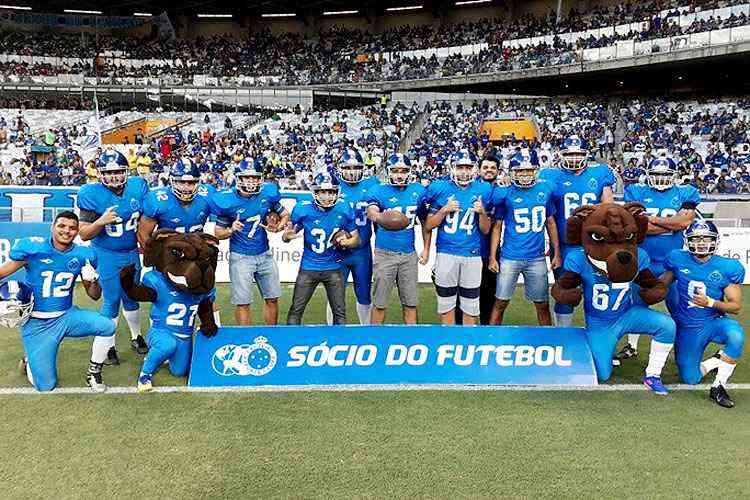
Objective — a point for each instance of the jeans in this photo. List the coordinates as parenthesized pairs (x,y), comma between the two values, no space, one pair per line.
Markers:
(304,287)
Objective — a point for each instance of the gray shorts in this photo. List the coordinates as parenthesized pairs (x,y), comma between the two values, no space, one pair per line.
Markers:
(246,269)
(456,275)
(397,268)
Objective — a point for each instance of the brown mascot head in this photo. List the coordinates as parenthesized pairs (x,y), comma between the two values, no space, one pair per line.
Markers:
(188,260)
(610,234)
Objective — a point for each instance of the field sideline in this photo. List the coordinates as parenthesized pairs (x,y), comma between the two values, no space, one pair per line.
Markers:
(382,443)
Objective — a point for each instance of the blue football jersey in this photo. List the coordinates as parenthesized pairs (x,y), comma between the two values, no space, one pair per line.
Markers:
(51,273)
(357,196)
(410,201)
(459,233)
(602,299)
(662,204)
(319,226)
(175,309)
(709,278)
(524,214)
(229,206)
(573,191)
(119,236)
(170,213)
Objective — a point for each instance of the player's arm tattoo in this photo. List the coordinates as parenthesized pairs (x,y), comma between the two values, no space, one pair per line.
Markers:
(566,290)
(206,315)
(137,292)
(653,290)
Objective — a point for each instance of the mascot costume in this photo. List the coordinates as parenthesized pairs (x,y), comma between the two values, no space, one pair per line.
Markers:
(606,270)
(180,286)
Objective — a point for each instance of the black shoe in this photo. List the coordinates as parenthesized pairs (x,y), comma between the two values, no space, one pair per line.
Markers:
(139,345)
(112,358)
(719,395)
(626,352)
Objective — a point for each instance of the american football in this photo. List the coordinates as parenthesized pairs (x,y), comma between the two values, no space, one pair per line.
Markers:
(393,220)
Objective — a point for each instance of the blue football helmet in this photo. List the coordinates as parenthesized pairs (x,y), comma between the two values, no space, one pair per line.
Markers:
(351,167)
(184,177)
(661,173)
(523,171)
(248,176)
(325,190)
(463,167)
(702,238)
(574,154)
(16,303)
(112,167)
(398,170)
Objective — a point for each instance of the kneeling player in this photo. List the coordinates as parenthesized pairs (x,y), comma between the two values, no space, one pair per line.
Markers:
(708,288)
(52,267)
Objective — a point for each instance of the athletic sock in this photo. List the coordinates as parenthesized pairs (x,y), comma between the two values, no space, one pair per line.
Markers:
(29,376)
(657,358)
(329,314)
(363,313)
(709,364)
(563,319)
(217,318)
(100,347)
(723,373)
(134,322)
(633,340)
(95,367)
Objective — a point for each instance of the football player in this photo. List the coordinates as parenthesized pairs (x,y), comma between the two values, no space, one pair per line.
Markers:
(241,215)
(396,260)
(52,267)
(110,210)
(708,288)
(458,208)
(524,211)
(350,170)
(671,209)
(576,184)
(324,223)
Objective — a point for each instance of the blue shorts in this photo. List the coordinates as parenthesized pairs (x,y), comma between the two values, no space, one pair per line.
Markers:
(603,336)
(535,281)
(165,345)
(41,339)
(109,266)
(690,344)
(359,264)
(246,269)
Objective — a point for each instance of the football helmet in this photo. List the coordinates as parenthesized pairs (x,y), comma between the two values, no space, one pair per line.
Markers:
(573,154)
(184,177)
(398,170)
(248,176)
(351,167)
(325,190)
(463,167)
(702,238)
(16,303)
(523,172)
(661,173)
(112,168)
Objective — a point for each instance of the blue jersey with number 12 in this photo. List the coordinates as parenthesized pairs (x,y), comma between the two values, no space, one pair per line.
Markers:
(170,213)
(175,309)
(120,236)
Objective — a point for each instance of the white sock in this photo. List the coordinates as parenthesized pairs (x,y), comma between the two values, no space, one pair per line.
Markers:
(363,313)
(217,317)
(563,320)
(657,358)
(29,376)
(134,322)
(111,340)
(723,373)
(100,347)
(709,364)
(329,314)
(633,340)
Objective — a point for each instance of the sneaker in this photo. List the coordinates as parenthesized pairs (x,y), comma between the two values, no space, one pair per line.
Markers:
(144,384)
(139,345)
(94,380)
(626,352)
(112,357)
(654,383)
(720,396)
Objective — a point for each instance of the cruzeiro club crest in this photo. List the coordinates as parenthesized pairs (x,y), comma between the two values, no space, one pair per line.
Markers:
(254,359)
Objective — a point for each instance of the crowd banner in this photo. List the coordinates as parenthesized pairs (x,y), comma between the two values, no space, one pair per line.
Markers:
(392,355)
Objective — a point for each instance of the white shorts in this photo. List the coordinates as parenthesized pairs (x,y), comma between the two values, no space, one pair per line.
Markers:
(456,275)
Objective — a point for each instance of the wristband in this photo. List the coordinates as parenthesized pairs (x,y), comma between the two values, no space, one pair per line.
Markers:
(710,301)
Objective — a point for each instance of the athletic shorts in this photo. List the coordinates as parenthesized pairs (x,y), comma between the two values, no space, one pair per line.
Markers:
(397,268)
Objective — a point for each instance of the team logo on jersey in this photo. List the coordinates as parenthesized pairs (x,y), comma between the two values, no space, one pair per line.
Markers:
(685,271)
(593,184)
(133,203)
(74,264)
(675,202)
(254,359)
(47,261)
(316,221)
(518,200)
(393,200)
(541,196)
(715,276)
(567,183)
(176,220)
(648,200)
(36,239)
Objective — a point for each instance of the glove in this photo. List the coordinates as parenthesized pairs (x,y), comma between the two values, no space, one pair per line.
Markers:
(89,273)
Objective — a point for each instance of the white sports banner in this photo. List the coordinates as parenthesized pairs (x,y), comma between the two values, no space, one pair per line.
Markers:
(735,244)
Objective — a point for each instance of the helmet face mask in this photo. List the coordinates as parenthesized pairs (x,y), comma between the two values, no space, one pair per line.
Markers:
(325,197)
(16,304)
(702,238)
(249,184)
(523,176)
(113,175)
(184,190)
(661,174)
(573,160)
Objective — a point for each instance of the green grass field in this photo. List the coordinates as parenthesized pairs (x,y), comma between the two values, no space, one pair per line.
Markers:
(373,444)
